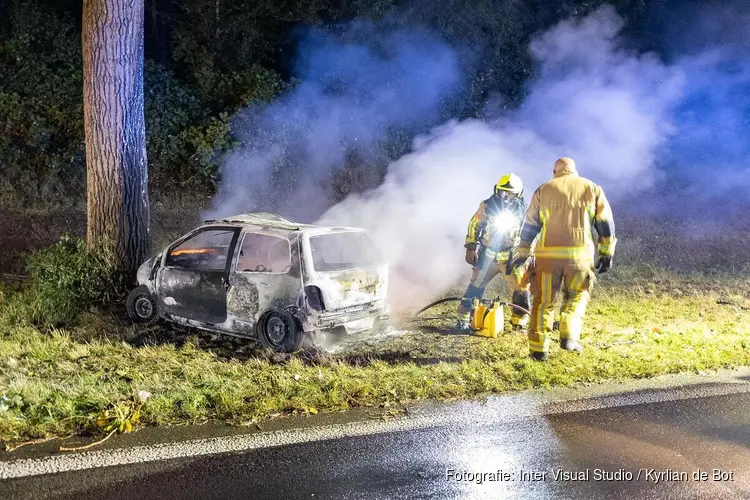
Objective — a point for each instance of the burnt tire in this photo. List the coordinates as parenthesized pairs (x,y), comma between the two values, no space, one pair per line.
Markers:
(280,332)
(141,306)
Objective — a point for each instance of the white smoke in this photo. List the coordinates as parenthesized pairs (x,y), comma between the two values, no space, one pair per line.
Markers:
(607,108)
(357,88)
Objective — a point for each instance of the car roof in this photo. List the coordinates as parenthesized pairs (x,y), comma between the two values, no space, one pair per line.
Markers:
(267,220)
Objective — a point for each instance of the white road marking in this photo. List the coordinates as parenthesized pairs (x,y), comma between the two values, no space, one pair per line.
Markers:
(495,410)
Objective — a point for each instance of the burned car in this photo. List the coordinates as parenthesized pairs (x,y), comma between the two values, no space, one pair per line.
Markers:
(265,277)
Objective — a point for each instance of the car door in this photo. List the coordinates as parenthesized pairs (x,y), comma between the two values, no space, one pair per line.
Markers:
(193,282)
(267,275)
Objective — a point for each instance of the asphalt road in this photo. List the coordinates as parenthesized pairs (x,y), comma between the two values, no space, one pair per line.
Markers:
(651,450)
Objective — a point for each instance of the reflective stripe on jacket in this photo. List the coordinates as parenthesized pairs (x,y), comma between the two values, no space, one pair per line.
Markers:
(562,213)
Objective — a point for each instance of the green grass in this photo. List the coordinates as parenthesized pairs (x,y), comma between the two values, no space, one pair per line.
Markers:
(59,382)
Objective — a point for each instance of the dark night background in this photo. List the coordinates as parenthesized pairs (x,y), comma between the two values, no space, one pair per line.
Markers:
(208,60)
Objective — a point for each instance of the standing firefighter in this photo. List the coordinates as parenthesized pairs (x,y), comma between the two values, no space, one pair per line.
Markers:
(493,230)
(561,215)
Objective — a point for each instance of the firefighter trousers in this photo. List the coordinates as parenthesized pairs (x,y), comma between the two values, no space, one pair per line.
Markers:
(549,277)
(488,266)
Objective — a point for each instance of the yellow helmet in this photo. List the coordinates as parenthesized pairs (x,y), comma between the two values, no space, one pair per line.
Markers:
(510,183)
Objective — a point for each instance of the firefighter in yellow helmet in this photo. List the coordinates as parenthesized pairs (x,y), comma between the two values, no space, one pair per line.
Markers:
(561,215)
(493,230)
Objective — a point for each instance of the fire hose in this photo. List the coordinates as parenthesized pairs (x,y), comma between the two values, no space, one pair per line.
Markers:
(488,302)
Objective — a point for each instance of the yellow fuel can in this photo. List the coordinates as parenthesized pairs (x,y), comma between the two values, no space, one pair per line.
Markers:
(477,315)
(487,322)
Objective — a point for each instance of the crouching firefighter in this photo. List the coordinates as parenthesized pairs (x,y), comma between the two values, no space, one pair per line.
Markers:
(493,231)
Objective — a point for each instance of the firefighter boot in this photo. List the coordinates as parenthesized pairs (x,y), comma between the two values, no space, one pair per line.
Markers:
(539,356)
(461,327)
(463,316)
(571,345)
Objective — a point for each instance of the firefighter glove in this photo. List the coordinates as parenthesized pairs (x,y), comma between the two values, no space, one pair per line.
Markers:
(603,264)
(518,258)
(472,256)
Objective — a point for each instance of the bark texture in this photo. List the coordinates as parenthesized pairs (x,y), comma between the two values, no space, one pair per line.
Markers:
(117,175)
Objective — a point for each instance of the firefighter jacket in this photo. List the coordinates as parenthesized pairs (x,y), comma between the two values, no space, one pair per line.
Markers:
(562,213)
(496,226)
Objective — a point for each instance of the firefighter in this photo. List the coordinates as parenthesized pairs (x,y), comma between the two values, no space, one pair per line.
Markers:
(493,230)
(561,215)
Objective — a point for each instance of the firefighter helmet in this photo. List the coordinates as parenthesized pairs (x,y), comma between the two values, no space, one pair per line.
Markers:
(510,183)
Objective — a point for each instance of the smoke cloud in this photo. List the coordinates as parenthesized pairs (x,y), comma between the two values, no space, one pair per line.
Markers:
(713,124)
(356,88)
(707,156)
(645,129)
(605,107)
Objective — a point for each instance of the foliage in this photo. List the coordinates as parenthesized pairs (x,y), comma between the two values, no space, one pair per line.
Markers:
(41,110)
(185,141)
(64,281)
(225,55)
(217,45)
(121,416)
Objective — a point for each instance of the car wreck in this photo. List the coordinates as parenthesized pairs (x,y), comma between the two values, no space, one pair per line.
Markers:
(264,277)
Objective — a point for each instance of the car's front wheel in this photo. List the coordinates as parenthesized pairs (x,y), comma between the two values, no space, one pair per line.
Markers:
(141,306)
(280,332)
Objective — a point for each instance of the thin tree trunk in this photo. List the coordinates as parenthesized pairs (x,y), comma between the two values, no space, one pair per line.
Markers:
(117,176)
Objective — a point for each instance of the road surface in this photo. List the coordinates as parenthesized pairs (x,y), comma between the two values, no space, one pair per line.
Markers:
(680,445)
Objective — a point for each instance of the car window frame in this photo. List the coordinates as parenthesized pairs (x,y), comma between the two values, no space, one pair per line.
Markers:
(363,232)
(232,250)
(241,242)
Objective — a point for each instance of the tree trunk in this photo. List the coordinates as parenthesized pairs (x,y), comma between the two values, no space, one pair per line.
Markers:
(117,175)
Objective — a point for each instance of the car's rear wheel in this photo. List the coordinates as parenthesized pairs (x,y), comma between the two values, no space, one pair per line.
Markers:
(280,332)
(141,306)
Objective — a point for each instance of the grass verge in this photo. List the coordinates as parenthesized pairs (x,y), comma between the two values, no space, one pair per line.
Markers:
(106,376)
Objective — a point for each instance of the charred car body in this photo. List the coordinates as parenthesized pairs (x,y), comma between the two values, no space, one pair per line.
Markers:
(261,276)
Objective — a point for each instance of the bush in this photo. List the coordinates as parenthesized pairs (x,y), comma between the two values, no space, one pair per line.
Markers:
(42,155)
(41,109)
(65,280)
(187,135)
(184,140)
